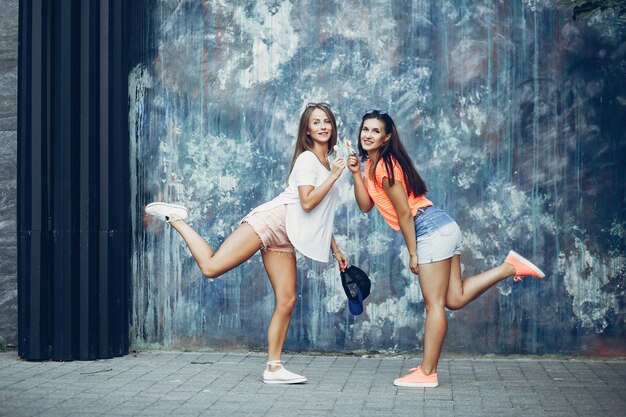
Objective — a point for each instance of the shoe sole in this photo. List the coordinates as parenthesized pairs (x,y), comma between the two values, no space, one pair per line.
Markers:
(166,205)
(175,206)
(291,381)
(416,384)
(528,263)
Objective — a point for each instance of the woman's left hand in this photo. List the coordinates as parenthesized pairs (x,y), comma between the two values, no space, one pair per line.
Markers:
(353,163)
(342,260)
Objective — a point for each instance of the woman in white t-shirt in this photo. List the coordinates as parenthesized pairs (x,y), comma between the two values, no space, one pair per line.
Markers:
(301,217)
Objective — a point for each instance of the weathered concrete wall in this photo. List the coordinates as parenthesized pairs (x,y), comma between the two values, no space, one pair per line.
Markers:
(514,115)
(8,172)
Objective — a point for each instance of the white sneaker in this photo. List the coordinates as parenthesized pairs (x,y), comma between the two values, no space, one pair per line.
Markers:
(167,212)
(282,376)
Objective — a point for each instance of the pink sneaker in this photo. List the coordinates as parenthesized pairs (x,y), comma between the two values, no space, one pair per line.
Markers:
(417,379)
(523,267)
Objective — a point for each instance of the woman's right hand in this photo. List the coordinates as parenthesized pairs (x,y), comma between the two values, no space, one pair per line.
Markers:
(413,264)
(337,167)
(354,164)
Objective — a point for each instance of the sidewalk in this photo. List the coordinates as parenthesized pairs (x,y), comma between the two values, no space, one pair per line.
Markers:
(229,384)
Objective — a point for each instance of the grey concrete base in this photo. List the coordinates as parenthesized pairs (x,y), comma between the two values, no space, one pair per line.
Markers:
(8,237)
(8,171)
(229,384)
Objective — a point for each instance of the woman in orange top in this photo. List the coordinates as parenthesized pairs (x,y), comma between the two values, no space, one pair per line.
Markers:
(432,237)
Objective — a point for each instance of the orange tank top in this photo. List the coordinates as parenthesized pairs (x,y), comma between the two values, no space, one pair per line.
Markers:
(380,198)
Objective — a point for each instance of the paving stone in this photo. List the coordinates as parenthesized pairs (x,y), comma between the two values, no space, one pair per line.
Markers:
(161,383)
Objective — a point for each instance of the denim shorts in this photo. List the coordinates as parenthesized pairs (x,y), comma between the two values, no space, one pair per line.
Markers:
(438,236)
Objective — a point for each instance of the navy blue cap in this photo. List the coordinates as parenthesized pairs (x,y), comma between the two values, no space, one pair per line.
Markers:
(356,285)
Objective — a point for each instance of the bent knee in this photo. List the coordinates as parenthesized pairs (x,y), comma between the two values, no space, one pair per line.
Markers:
(455,302)
(454,305)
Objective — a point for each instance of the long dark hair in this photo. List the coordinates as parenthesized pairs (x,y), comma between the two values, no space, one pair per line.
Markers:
(392,149)
(303,140)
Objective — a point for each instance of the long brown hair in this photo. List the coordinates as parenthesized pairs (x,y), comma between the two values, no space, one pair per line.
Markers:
(393,149)
(303,140)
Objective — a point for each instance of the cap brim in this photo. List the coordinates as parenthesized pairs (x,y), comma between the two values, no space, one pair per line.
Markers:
(356,307)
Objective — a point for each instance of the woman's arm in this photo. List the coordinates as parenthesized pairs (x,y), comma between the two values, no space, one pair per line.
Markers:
(362,197)
(342,259)
(400,203)
(311,196)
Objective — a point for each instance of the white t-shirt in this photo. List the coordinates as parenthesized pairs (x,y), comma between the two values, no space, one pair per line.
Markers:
(310,233)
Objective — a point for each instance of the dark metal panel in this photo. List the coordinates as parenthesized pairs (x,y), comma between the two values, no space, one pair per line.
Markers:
(120,177)
(73,175)
(104,113)
(89,197)
(64,137)
(104,319)
(33,281)
(113,164)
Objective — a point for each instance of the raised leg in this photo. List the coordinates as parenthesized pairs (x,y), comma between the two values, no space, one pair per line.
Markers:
(237,248)
(462,291)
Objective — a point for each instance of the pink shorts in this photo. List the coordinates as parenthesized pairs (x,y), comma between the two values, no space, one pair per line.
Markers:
(270,226)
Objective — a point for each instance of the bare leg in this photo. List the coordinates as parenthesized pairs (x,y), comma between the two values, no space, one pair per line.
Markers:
(434,279)
(462,291)
(281,269)
(237,248)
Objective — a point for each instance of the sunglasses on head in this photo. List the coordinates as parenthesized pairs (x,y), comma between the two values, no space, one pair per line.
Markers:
(375,111)
(321,104)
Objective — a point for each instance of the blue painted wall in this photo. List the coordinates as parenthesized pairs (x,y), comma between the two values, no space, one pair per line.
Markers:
(514,115)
